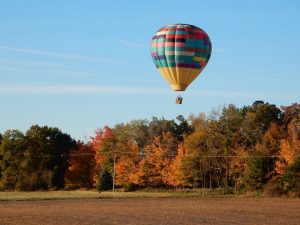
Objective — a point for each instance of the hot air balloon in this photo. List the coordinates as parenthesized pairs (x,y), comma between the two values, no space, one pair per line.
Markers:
(180,52)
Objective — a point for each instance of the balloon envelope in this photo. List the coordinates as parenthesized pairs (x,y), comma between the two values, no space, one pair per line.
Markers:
(180,53)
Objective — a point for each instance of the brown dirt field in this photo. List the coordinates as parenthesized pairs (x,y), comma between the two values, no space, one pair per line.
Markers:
(142,211)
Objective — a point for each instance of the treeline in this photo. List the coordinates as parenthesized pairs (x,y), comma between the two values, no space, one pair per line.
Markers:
(235,149)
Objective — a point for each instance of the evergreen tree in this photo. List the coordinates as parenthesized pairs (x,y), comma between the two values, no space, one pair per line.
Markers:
(106,181)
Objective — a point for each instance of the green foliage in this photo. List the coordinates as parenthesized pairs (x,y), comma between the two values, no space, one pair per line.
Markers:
(157,127)
(47,150)
(130,187)
(105,182)
(135,130)
(191,172)
(12,152)
(229,125)
(256,172)
(36,160)
(256,121)
(182,128)
(291,178)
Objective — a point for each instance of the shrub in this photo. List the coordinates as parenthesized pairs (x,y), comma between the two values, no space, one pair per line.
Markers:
(274,188)
(129,187)
(291,178)
(105,182)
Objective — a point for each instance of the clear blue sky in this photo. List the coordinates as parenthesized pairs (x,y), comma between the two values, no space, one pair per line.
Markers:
(79,65)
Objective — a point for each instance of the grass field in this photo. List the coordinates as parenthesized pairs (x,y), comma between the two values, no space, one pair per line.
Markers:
(91,194)
(107,208)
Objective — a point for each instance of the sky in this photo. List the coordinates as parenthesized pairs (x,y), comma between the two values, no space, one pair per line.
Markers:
(81,65)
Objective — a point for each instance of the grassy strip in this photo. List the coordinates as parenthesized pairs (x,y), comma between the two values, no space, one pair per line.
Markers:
(91,194)
(45,195)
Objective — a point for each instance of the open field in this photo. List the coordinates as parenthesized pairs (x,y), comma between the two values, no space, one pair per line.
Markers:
(156,210)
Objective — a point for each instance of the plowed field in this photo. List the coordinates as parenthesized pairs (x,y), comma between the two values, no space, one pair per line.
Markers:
(143,211)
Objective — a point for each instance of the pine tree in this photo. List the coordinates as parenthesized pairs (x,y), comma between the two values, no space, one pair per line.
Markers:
(106,181)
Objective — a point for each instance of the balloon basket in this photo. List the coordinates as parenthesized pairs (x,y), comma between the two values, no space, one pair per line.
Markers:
(179,100)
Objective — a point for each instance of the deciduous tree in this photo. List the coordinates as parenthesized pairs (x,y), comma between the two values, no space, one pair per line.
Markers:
(81,165)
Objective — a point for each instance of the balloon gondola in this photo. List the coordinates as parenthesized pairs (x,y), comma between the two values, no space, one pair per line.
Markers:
(180,52)
(179,100)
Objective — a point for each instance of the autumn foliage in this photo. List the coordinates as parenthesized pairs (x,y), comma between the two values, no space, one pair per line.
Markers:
(255,147)
(81,168)
(239,148)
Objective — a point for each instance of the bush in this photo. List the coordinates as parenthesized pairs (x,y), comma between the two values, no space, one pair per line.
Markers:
(105,182)
(288,184)
(273,188)
(35,181)
(129,187)
(291,178)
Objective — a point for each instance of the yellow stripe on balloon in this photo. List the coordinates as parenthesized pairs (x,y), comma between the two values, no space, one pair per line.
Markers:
(179,78)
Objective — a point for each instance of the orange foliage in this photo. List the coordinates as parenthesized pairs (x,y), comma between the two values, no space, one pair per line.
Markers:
(173,172)
(271,139)
(153,169)
(126,166)
(289,149)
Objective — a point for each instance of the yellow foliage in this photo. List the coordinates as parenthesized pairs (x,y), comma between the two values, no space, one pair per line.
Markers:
(289,149)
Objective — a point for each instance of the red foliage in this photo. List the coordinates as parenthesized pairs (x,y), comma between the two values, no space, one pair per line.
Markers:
(81,167)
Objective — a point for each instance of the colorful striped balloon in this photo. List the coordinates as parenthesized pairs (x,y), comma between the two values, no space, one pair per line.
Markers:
(180,52)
